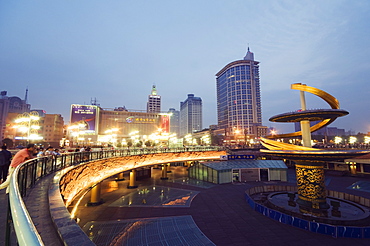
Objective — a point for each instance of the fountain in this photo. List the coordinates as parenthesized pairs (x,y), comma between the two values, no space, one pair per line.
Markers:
(312,197)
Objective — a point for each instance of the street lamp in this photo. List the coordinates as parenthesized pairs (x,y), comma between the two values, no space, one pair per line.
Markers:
(367,139)
(112,135)
(75,131)
(338,140)
(352,139)
(29,123)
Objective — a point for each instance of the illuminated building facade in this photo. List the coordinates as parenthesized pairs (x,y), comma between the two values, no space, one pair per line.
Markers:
(50,132)
(10,105)
(52,129)
(190,115)
(154,102)
(238,97)
(129,121)
(114,125)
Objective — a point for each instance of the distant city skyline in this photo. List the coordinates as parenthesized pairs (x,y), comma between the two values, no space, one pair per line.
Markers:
(68,53)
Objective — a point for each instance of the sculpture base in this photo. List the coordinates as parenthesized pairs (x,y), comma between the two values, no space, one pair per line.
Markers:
(335,211)
(313,208)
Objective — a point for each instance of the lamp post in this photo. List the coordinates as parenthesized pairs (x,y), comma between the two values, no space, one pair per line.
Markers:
(75,131)
(29,123)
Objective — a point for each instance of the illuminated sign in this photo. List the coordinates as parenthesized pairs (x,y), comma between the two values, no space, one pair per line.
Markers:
(165,123)
(236,157)
(132,119)
(85,117)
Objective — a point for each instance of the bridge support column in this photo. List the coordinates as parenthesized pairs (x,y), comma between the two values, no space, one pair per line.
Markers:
(95,199)
(352,168)
(132,182)
(168,168)
(120,177)
(164,172)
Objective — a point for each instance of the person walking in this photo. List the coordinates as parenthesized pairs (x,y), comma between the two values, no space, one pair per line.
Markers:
(5,157)
(21,156)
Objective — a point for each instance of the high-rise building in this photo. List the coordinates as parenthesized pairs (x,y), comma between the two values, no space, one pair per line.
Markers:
(190,115)
(10,105)
(174,121)
(239,99)
(154,102)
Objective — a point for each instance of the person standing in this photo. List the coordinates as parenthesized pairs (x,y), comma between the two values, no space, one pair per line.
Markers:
(40,152)
(21,156)
(5,157)
(49,151)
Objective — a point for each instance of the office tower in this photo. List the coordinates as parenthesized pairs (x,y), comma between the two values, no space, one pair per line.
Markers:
(190,115)
(238,98)
(174,121)
(154,102)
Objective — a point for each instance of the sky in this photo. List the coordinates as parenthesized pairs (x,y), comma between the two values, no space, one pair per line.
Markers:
(70,52)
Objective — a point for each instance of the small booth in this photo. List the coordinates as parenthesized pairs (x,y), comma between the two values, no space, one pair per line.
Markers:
(221,172)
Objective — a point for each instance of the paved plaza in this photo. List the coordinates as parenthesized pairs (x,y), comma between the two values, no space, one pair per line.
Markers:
(217,215)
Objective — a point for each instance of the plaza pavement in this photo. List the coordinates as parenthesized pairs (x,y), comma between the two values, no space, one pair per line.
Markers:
(220,212)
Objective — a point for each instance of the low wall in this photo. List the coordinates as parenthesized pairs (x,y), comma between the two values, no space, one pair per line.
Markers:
(70,181)
(331,230)
(86,175)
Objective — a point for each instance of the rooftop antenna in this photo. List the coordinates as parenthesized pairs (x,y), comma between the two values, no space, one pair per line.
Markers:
(26,96)
(93,101)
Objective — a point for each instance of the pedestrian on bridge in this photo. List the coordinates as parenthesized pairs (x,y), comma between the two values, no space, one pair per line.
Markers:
(21,156)
(5,157)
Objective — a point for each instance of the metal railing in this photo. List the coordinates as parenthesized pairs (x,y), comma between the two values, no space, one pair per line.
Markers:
(26,175)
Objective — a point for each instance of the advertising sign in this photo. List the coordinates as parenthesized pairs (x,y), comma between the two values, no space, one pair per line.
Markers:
(85,116)
(236,157)
(165,123)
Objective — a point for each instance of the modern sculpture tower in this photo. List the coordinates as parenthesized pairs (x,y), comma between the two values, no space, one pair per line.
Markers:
(309,161)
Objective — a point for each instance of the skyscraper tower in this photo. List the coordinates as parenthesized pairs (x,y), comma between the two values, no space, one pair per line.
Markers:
(190,115)
(174,121)
(154,102)
(238,97)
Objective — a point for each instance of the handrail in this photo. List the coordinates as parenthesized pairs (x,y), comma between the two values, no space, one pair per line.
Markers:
(27,174)
(24,228)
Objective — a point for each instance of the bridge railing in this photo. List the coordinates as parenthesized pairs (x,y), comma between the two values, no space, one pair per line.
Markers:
(27,174)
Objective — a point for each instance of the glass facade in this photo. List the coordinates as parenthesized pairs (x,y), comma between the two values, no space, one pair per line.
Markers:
(238,95)
(191,115)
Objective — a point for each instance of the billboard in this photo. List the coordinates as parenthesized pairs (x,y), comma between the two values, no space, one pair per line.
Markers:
(165,123)
(85,116)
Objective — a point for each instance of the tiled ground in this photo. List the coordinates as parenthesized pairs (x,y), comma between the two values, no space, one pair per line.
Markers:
(176,230)
(156,196)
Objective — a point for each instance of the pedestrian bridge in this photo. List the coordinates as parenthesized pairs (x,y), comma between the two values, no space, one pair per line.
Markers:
(75,173)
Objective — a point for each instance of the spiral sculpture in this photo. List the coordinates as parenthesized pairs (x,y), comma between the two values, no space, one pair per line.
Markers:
(324,116)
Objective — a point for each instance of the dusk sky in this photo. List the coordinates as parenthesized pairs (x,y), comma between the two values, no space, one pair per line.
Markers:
(68,52)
